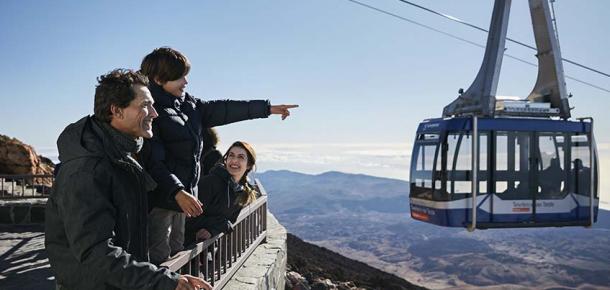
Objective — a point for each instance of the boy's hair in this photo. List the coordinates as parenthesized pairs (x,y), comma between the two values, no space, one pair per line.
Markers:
(165,64)
(115,88)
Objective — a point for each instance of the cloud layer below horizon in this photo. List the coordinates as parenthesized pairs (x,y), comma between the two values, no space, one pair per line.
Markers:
(389,160)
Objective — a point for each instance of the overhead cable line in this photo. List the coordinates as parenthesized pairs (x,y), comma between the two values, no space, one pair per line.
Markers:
(508,38)
(469,41)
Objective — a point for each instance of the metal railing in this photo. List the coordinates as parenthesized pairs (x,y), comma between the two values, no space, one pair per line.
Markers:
(25,186)
(218,258)
(215,259)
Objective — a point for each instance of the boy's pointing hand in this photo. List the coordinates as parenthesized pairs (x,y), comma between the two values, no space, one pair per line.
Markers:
(283,110)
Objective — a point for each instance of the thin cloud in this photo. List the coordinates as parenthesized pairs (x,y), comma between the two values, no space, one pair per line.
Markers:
(378,159)
(390,160)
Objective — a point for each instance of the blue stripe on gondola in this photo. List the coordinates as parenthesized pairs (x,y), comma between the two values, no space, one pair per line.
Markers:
(461,217)
(503,124)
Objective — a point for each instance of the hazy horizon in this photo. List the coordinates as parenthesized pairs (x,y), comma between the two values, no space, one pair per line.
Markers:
(380,160)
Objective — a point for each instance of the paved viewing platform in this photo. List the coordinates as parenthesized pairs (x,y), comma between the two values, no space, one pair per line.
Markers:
(24,262)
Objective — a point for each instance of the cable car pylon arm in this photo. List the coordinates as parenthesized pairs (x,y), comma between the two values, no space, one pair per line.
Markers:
(547,98)
(480,97)
(550,85)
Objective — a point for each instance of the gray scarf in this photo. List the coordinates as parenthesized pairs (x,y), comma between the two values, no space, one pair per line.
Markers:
(123,147)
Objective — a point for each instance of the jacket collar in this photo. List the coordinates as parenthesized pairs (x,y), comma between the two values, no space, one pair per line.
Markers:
(220,171)
(122,142)
(163,98)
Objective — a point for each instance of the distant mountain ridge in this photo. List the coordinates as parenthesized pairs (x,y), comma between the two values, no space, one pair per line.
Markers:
(367,218)
(332,190)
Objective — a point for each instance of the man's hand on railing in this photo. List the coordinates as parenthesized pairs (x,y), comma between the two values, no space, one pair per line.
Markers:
(189,204)
(188,282)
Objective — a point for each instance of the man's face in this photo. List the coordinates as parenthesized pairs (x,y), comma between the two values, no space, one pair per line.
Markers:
(136,119)
(176,87)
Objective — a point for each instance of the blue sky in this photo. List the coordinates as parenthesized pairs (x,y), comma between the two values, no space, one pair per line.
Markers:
(363,79)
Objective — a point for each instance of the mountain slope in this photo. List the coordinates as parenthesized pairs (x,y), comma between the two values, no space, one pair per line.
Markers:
(313,261)
(362,218)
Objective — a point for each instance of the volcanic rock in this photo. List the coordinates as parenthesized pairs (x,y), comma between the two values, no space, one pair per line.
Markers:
(19,158)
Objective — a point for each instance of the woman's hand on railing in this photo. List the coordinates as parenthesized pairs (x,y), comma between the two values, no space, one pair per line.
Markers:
(202,235)
(188,282)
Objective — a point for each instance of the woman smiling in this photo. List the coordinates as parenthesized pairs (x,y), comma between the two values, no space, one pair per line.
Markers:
(224,193)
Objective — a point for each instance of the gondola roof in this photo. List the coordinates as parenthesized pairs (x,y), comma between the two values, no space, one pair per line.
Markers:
(503,124)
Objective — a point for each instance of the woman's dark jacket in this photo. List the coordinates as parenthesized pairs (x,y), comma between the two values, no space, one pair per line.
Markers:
(172,156)
(220,209)
(95,227)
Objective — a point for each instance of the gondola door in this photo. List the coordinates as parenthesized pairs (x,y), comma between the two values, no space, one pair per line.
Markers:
(514,183)
(551,201)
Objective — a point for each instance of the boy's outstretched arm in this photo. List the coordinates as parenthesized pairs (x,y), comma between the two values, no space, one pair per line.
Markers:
(222,112)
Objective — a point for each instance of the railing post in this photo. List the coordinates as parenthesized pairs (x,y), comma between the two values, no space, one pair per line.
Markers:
(203,257)
(213,253)
(250,223)
(223,253)
(230,250)
(23,186)
(240,248)
(194,264)
(246,233)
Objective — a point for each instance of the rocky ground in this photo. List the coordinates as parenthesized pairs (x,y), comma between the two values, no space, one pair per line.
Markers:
(313,267)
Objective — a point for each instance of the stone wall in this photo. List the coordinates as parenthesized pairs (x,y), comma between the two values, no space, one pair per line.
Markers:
(22,211)
(266,267)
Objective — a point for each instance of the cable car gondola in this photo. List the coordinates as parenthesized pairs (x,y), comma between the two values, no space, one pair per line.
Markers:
(518,162)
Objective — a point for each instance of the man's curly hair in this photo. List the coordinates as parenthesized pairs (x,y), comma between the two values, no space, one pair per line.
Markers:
(115,88)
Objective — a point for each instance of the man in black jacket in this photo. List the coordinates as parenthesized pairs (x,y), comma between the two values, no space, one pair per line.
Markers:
(95,229)
(172,156)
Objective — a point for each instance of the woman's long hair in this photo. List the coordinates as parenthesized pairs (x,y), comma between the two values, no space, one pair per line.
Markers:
(249,195)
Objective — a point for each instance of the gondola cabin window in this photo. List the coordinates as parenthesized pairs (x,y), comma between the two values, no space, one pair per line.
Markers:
(580,167)
(512,169)
(426,150)
(458,162)
(552,163)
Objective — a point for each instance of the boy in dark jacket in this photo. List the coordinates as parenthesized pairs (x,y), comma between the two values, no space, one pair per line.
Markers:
(172,156)
(95,224)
